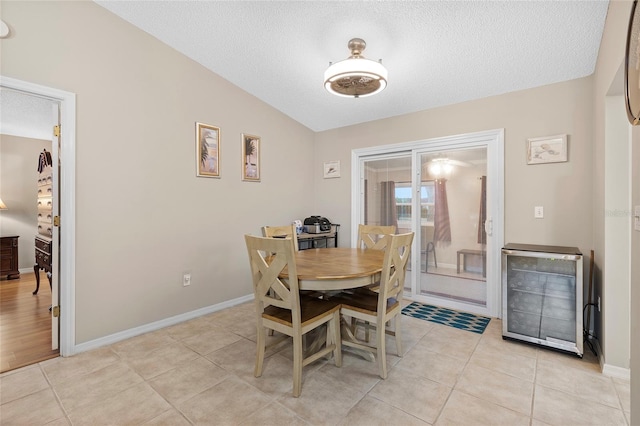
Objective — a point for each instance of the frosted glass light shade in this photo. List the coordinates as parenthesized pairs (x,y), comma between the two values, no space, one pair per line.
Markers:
(356,76)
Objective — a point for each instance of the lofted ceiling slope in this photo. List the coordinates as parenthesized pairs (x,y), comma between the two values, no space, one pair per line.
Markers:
(437,52)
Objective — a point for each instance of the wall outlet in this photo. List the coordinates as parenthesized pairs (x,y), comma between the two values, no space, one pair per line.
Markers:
(538,212)
(186,280)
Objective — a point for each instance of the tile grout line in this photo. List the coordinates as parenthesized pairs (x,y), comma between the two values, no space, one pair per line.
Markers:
(458,377)
(533,393)
(55,394)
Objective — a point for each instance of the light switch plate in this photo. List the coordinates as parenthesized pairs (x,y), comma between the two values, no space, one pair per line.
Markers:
(538,212)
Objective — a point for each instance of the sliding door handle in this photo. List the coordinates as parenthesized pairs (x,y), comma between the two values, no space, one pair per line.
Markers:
(488,226)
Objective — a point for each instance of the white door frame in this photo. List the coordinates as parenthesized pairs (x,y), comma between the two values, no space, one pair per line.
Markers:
(494,139)
(67,184)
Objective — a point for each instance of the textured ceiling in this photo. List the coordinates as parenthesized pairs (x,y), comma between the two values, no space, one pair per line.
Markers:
(25,115)
(437,52)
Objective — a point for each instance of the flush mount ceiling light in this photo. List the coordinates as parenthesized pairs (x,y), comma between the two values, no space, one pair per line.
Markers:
(355,76)
(440,166)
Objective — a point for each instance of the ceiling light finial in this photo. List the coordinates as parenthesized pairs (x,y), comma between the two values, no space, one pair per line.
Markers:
(355,76)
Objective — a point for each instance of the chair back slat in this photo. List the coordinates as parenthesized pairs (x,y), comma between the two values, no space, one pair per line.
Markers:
(268,258)
(396,260)
(371,236)
(289,231)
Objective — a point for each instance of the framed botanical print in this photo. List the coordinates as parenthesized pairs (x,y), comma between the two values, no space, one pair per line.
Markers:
(250,157)
(207,150)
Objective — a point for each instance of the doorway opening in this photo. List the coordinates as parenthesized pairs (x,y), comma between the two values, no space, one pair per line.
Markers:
(63,187)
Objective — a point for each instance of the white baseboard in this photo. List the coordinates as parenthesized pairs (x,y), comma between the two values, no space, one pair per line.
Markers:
(611,370)
(617,372)
(132,332)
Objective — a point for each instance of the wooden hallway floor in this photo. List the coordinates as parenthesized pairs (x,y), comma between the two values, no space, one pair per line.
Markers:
(25,322)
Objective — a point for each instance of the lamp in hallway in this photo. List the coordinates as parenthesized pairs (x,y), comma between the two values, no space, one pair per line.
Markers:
(3,206)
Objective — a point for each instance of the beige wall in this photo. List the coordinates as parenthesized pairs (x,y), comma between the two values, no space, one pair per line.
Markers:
(610,57)
(544,111)
(19,189)
(614,292)
(143,217)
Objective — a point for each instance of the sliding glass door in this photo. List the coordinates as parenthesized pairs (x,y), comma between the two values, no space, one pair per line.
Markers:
(439,190)
(453,240)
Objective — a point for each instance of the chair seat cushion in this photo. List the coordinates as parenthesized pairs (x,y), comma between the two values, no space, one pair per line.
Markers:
(364,300)
(311,308)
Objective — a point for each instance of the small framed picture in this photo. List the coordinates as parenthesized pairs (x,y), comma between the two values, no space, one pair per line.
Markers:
(331,169)
(548,149)
(207,150)
(250,158)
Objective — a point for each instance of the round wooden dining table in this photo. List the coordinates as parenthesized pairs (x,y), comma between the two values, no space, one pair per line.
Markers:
(326,269)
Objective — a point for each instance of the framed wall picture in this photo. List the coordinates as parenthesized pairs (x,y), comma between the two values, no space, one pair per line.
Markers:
(207,150)
(250,158)
(331,169)
(548,149)
(632,67)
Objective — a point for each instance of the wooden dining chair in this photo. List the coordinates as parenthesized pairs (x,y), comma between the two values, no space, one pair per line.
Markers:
(378,308)
(288,231)
(280,307)
(370,236)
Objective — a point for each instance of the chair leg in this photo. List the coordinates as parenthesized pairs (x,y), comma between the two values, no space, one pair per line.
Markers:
(435,260)
(426,259)
(261,342)
(381,353)
(431,248)
(297,365)
(398,334)
(333,328)
(354,325)
(354,328)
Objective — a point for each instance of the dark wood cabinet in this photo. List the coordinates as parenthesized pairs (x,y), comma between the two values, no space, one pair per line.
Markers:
(45,218)
(9,257)
(43,260)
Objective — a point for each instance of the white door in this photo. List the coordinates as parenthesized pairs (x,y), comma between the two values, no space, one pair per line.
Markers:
(55,264)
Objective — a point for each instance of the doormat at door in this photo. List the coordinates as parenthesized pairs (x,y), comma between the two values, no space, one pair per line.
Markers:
(460,320)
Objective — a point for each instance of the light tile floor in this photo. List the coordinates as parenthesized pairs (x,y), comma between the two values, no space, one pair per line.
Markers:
(201,372)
